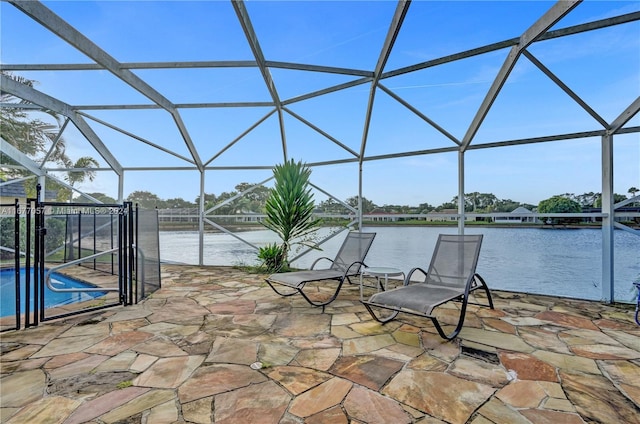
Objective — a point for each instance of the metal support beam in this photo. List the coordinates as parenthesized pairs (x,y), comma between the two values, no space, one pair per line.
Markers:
(136,137)
(322,132)
(42,180)
(396,23)
(625,116)
(238,138)
(34,96)
(608,219)
(201,221)
(419,114)
(55,142)
(121,188)
(566,89)
(45,17)
(553,15)
(21,158)
(461,216)
(252,38)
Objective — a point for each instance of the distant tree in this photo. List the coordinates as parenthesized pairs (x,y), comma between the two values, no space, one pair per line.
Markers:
(425,208)
(405,209)
(31,136)
(74,177)
(178,202)
(259,194)
(208,199)
(560,204)
(616,199)
(472,200)
(228,208)
(448,205)
(253,200)
(506,205)
(632,191)
(478,202)
(488,201)
(367,205)
(39,140)
(103,198)
(391,208)
(332,206)
(145,199)
(587,200)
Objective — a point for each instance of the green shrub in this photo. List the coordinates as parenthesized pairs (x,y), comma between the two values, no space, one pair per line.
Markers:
(273,258)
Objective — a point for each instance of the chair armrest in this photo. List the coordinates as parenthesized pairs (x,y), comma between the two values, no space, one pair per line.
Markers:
(407,279)
(348,270)
(318,260)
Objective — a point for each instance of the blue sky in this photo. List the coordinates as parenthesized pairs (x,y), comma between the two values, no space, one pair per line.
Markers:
(602,67)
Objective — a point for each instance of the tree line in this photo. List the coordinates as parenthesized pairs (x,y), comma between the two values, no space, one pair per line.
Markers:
(255,196)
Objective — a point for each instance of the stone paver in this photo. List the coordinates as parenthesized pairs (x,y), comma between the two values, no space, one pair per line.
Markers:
(324,396)
(368,370)
(259,403)
(169,372)
(368,406)
(297,379)
(215,344)
(441,395)
(22,388)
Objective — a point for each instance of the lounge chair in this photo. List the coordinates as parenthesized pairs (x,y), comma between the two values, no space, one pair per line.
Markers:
(450,276)
(346,264)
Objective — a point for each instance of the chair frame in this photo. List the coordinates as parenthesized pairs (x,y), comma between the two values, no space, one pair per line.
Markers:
(329,274)
(474,282)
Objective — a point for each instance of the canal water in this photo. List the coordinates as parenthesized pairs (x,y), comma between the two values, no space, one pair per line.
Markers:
(559,262)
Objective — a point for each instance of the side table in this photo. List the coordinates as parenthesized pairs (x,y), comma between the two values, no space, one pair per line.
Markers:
(378,272)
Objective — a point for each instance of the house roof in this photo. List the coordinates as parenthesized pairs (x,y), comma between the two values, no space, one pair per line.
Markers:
(16,189)
(520,210)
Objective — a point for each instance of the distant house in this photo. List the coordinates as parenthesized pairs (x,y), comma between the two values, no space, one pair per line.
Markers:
(248,216)
(627,213)
(519,215)
(446,215)
(178,215)
(11,191)
(381,215)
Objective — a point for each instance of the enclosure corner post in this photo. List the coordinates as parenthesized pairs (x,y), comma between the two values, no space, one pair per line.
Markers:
(607,219)
(201,221)
(461,216)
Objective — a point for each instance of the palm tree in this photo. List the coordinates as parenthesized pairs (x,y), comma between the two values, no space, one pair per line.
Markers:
(38,140)
(74,177)
(289,209)
(30,136)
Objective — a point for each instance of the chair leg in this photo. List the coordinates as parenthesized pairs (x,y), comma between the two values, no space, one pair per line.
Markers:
(278,291)
(441,332)
(486,289)
(325,303)
(456,331)
(380,319)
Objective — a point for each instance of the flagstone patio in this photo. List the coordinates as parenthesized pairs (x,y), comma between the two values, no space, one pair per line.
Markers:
(216,344)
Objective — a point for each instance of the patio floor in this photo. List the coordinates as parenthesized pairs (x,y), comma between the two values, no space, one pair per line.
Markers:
(188,354)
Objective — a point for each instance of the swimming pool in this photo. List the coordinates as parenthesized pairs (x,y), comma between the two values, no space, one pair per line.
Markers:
(51,298)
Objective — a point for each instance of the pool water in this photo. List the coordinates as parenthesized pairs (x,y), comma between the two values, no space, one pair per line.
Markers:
(51,298)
